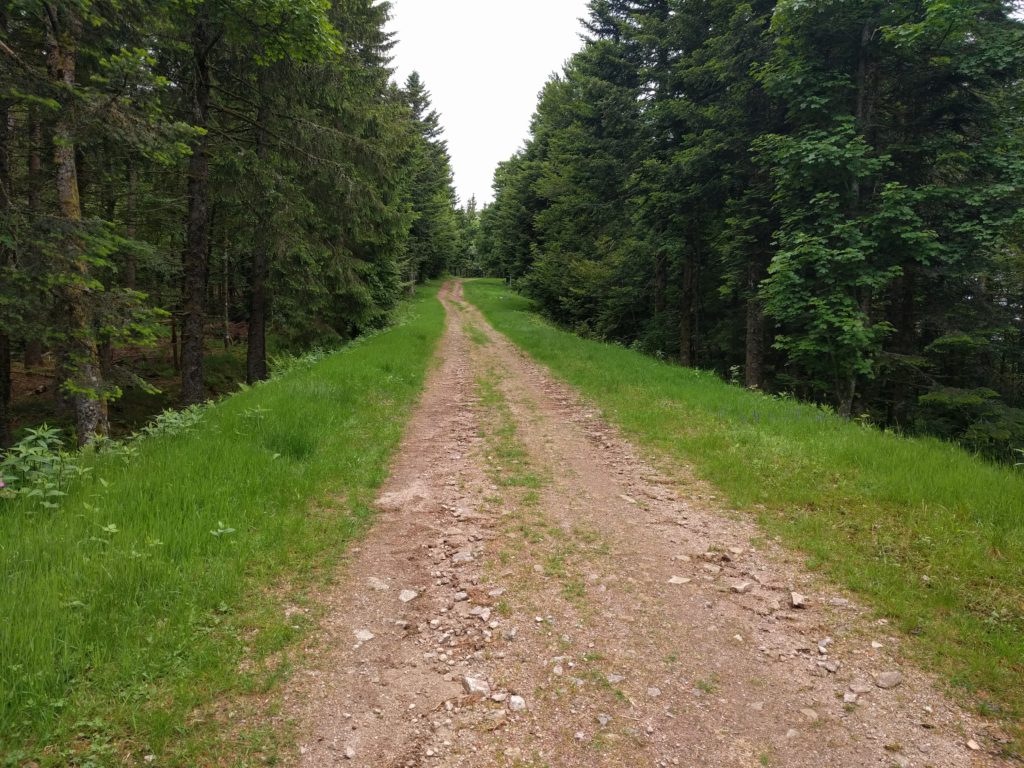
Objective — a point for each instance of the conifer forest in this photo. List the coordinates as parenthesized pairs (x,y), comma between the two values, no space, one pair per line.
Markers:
(189,187)
(823,198)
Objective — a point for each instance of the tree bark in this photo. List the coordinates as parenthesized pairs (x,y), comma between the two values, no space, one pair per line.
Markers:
(131,214)
(687,307)
(5,390)
(194,262)
(259,298)
(5,205)
(86,382)
(754,368)
(33,354)
(226,295)
(660,284)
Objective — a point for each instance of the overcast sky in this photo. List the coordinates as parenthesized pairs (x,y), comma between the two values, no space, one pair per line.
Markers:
(484,62)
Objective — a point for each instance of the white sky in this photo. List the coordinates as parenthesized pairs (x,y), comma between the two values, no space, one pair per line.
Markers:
(484,62)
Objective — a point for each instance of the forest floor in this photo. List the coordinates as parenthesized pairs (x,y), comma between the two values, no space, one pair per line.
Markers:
(33,393)
(538,592)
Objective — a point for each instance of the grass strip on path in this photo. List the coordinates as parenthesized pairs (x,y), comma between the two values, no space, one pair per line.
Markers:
(150,593)
(932,537)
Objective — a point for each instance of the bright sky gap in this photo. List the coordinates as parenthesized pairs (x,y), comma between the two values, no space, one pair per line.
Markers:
(484,62)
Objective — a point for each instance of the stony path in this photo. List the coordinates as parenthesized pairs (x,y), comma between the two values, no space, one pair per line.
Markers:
(535,593)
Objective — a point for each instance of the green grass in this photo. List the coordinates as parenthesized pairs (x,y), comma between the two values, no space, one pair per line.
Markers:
(133,610)
(929,535)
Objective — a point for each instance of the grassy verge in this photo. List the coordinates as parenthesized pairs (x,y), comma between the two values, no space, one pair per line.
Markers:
(931,536)
(156,590)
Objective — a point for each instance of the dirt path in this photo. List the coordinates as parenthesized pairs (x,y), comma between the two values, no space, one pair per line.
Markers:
(537,594)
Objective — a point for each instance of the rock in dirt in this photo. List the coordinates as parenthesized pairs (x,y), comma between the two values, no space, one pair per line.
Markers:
(604,719)
(516,703)
(350,754)
(860,687)
(408,595)
(653,692)
(810,715)
(973,745)
(679,580)
(887,680)
(378,585)
(797,600)
(462,556)
(742,587)
(364,635)
(614,679)
(474,686)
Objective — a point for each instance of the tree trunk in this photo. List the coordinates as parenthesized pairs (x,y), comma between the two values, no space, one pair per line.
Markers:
(259,298)
(194,263)
(33,355)
(5,390)
(85,384)
(5,205)
(686,310)
(131,215)
(106,351)
(226,294)
(754,368)
(175,351)
(660,284)
(845,392)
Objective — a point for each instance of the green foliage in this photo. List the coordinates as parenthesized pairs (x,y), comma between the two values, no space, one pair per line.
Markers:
(38,469)
(328,190)
(816,193)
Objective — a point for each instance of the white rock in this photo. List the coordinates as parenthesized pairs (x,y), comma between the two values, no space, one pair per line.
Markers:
(614,679)
(364,635)
(408,595)
(742,587)
(516,703)
(653,692)
(476,687)
(378,584)
(810,714)
(850,697)
(350,754)
(973,745)
(679,580)
(887,680)
(797,600)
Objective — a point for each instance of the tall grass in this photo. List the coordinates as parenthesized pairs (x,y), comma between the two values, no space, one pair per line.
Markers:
(117,610)
(931,536)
